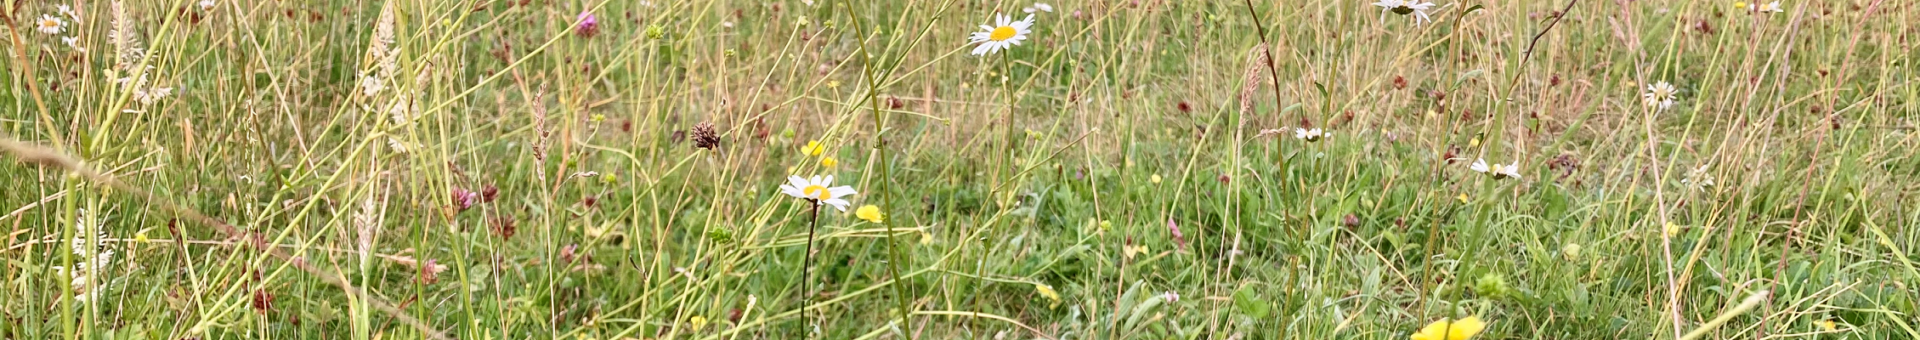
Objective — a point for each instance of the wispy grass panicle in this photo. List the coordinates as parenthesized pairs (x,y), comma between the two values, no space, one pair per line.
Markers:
(126,41)
(1250,76)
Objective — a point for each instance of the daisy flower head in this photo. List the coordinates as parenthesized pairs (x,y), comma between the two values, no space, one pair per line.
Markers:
(818,189)
(1003,34)
(50,24)
(1660,95)
(207,5)
(1039,7)
(1462,329)
(1417,8)
(73,42)
(1698,179)
(1311,135)
(1771,7)
(1497,170)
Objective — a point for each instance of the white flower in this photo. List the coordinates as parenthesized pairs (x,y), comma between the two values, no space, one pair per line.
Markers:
(1698,179)
(93,260)
(73,42)
(1311,135)
(1497,170)
(1769,7)
(1404,7)
(50,24)
(1039,6)
(370,85)
(207,5)
(1170,296)
(147,96)
(1002,35)
(1660,95)
(819,190)
(67,11)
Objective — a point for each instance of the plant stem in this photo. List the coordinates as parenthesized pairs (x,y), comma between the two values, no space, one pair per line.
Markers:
(807,264)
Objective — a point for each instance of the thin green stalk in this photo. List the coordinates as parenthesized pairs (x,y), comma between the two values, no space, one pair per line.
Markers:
(902,293)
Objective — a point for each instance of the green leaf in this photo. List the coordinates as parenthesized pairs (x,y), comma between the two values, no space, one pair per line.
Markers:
(1250,302)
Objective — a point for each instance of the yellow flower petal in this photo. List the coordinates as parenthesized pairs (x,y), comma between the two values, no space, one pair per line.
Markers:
(1047,291)
(870,213)
(814,148)
(1827,325)
(828,162)
(1466,328)
(1155,179)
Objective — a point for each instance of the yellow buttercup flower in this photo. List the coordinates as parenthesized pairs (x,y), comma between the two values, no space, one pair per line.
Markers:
(1444,329)
(1047,291)
(828,162)
(870,213)
(1462,197)
(814,148)
(1672,229)
(1155,179)
(698,322)
(1827,325)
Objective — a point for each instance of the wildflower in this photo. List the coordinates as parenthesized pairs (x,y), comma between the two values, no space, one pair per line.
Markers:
(1827,325)
(1463,197)
(1002,35)
(1039,6)
(590,25)
(1311,135)
(1048,292)
(1155,178)
(1571,251)
(50,24)
(92,260)
(1134,250)
(819,190)
(870,213)
(1444,329)
(1673,229)
(1698,179)
(65,10)
(207,5)
(147,96)
(610,178)
(465,199)
(814,148)
(73,42)
(1404,7)
(1660,95)
(1170,296)
(1773,7)
(370,85)
(698,322)
(656,32)
(1497,170)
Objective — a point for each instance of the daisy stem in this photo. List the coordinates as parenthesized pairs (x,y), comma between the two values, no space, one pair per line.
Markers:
(805,296)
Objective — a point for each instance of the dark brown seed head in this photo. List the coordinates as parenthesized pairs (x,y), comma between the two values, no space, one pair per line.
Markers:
(705,137)
(262,301)
(1350,221)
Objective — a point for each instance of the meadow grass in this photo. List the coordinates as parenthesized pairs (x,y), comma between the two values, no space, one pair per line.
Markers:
(1134,169)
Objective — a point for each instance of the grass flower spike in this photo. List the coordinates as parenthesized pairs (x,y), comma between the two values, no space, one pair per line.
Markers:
(1444,329)
(819,190)
(1002,35)
(1496,170)
(1404,7)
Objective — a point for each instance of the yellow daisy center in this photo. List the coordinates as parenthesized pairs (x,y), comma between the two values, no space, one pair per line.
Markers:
(816,192)
(49,23)
(1002,33)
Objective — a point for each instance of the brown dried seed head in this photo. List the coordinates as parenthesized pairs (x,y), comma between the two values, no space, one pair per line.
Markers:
(705,137)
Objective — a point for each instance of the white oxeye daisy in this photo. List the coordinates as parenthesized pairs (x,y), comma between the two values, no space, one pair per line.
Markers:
(207,5)
(64,10)
(1769,7)
(1417,8)
(1660,95)
(1311,135)
(73,42)
(1497,170)
(1002,35)
(1039,6)
(50,24)
(819,190)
